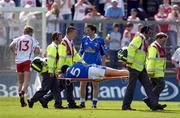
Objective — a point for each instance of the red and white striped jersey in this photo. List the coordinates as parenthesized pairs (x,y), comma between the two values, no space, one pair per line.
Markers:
(25,46)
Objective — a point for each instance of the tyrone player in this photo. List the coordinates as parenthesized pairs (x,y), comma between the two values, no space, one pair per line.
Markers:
(24,48)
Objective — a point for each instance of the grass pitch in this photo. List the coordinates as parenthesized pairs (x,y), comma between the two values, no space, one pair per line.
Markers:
(10,108)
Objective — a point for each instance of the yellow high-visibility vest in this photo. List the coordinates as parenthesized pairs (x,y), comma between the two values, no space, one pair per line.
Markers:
(52,57)
(156,61)
(137,53)
(65,58)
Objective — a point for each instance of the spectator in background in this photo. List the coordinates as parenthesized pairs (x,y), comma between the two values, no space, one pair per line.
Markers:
(79,13)
(7,4)
(174,16)
(17,2)
(25,16)
(80,8)
(93,15)
(49,3)
(166,6)
(176,61)
(175,2)
(161,16)
(53,16)
(29,2)
(133,18)
(114,46)
(29,18)
(66,13)
(132,4)
(66,9)
(120,5)
(126,39)
(100,6)
(114,12)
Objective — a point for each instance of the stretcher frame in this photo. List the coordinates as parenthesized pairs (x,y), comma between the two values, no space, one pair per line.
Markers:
(90,79)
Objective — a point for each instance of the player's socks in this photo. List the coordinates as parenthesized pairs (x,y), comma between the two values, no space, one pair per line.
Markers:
(82,104)
(94,103)
(22,101)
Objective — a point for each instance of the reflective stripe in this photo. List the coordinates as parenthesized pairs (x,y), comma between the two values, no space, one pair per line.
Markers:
(62,56)
(155,69)
(141,51)
(50,56)
(139,63)
(134,46)
(157,59)
(69,56)
(130,57)
(36,67)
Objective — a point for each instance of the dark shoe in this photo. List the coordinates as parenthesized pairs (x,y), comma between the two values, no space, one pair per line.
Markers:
(147,102)
(94,106)
(23,103)
(82,105)
(43,102)
(129,108)
(74,107)
(30,104)
(60,107)
(161,107)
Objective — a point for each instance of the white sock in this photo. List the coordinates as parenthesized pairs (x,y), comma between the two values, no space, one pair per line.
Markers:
(82,99)
(95,99)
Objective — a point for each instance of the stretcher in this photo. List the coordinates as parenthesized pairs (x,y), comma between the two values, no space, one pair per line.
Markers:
(90,79)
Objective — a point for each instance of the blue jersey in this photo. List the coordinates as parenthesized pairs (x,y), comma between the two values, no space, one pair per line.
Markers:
(92,50)
(77,70)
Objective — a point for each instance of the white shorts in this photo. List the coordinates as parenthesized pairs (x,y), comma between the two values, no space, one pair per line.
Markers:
(96,73)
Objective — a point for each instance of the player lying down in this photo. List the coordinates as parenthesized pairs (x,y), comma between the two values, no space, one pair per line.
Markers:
(79,71)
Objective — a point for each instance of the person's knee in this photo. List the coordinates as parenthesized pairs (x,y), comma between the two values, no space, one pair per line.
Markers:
(83,85)
(95,85)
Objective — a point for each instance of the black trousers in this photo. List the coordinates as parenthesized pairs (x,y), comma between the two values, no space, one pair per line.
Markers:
(68,87)
(48,83)
(158,85)
(142,76)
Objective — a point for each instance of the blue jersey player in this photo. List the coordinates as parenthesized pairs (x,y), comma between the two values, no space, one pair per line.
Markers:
(93,51)
(91,71)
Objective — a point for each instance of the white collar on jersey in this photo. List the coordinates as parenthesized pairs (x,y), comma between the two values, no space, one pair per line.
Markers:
(158,43)
(93,38)
(142,35)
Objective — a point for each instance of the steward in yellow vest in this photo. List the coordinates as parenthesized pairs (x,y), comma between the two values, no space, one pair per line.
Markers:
(156,63)
(49,81)
(137,52)
(67,52)
(68,56)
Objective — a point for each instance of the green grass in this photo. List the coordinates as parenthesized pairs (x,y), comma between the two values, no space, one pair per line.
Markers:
(10,108)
